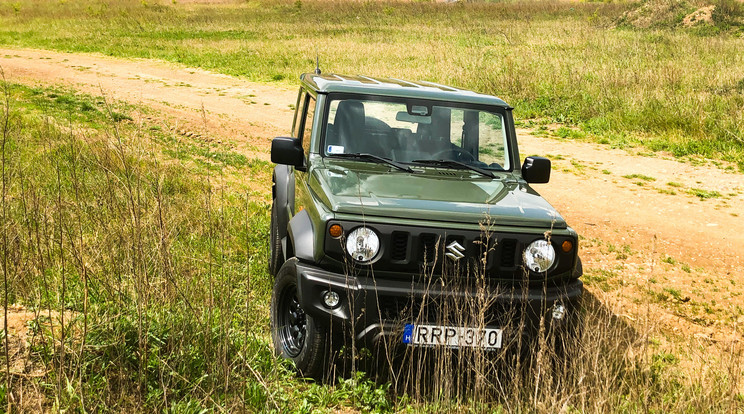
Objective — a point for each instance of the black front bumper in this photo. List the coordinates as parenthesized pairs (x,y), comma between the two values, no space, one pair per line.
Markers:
(372,308)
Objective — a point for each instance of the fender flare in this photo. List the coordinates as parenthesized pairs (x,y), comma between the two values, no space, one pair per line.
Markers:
(283,197)
(300,232)
(578,269)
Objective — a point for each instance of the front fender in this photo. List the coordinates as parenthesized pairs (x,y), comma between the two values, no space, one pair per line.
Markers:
(283,195)
(300,232)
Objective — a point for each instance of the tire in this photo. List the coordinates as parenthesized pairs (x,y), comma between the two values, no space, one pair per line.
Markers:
(295,334)
(276,256)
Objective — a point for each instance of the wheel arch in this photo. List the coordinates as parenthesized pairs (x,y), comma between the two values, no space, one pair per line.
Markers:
(282,196)
(301,237)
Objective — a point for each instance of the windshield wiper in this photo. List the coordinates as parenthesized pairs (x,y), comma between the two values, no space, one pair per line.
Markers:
(372,157)
(456,164)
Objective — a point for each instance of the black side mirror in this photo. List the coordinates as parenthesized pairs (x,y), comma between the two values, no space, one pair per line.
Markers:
(536,170)
(287,151)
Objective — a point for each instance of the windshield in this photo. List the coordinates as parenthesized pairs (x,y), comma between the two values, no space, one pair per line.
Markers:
(416,131)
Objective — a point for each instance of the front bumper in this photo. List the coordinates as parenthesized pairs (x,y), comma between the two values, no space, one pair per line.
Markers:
(375,308)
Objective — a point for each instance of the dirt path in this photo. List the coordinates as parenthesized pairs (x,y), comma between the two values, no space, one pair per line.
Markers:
(640,230)
(249,113)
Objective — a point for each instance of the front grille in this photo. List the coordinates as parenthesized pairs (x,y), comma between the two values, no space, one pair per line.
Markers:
(508,252)
(399,245)
(428,251)
(411,251)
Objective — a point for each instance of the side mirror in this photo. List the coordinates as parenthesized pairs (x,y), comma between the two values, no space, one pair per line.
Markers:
(287,151)
(536,170)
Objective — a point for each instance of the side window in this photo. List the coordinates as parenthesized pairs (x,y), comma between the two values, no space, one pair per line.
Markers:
(492,149)
(307,125)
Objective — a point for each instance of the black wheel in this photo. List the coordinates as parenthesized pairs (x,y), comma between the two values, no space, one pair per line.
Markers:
(276,256)
(295,334)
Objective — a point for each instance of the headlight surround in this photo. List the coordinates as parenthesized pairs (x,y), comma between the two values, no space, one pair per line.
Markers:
(539,256)
(362,244)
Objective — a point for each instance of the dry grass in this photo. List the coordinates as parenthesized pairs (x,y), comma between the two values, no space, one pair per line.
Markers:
(152,277)
(667,88)
(149,290)
(603,363)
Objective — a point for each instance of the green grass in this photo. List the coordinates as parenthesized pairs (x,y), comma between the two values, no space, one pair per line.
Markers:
(640,177)
(704,194)
(160,273)
(665,89)
(604,280)
(675,293)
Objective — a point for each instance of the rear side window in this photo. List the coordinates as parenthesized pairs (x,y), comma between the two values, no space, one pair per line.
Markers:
(298,113)
(302,124)
(307,122)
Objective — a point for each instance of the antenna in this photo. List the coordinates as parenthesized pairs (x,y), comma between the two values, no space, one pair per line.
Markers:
(317,65)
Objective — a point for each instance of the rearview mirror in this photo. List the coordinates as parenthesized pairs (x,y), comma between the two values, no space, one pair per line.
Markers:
(412,118)
(287,151)
(536,170)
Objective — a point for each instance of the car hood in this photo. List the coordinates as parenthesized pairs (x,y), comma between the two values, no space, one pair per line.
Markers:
(434,194)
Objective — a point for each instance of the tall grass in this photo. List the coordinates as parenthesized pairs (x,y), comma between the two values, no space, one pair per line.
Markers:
(668,89)
(597,363)
(147,278)
(146,270)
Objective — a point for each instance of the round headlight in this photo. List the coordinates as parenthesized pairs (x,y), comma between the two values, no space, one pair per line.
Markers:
(539,256)
(362,244)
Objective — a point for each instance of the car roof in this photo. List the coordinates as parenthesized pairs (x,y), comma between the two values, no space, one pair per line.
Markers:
(368,85)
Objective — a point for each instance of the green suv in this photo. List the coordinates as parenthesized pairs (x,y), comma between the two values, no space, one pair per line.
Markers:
(401,215)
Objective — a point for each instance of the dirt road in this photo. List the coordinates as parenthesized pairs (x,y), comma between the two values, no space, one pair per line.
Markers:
(641,234)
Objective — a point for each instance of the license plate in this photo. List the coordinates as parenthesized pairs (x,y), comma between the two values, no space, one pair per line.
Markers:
(452,336)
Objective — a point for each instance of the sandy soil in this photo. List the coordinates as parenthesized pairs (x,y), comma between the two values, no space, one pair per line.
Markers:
(649,239)
(248,113)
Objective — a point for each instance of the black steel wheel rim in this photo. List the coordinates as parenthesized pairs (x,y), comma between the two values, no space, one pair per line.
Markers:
(292,322)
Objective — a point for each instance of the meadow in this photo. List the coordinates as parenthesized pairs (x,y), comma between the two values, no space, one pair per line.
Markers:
(143,252)
(142,255)
(664,88)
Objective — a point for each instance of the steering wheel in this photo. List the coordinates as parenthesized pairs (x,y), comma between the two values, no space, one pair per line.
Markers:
(457,154)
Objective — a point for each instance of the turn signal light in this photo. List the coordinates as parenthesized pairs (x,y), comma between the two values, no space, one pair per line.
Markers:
(567,246)
(335,230)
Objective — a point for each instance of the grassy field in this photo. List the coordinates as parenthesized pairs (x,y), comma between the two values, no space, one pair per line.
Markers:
(143,252)
(142,255)
(664,88)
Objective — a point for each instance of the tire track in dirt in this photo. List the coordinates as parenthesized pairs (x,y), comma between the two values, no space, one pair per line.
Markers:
(634,228)
(248,113)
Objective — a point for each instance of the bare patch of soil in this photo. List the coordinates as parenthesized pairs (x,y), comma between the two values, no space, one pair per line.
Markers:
(247,113)
(703,15)
(23,367)
(651,241)
(18,328)
(653,13)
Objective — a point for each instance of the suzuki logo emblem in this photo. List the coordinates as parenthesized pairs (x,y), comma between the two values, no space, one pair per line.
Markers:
(454,251)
